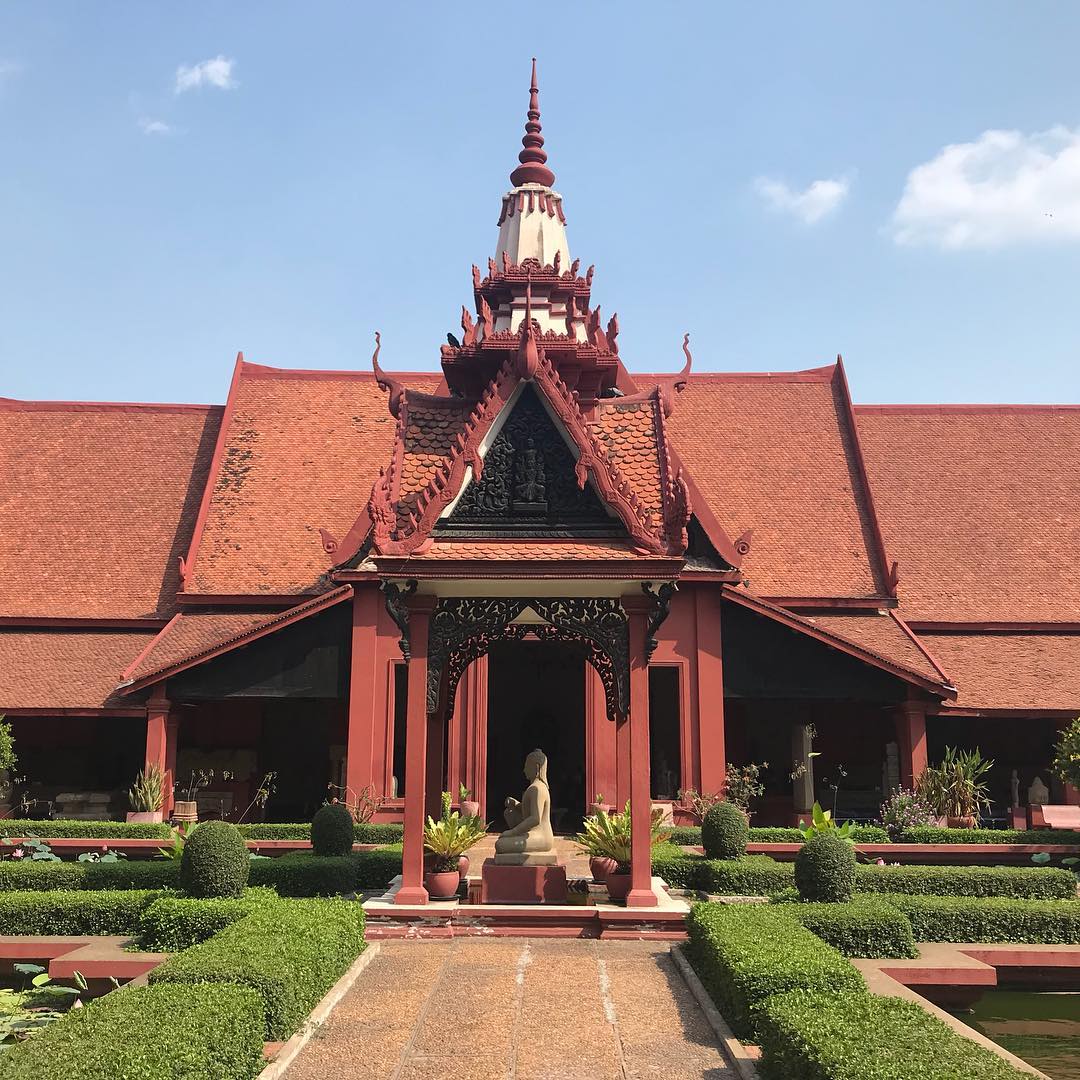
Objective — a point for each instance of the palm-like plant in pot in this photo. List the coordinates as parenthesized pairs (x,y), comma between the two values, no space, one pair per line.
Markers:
(607,839)
(956,789)
(446,840)
(147,794)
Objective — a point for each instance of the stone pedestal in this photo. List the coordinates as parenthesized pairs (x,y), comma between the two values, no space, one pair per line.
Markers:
(532,883)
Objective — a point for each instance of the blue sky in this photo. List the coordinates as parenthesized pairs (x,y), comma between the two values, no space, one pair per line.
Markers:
(180,182)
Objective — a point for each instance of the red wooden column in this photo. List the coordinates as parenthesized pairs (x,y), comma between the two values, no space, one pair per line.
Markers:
(161,735)
(363,667)
(412,889)
(712,753)
(911,740)
(641,893)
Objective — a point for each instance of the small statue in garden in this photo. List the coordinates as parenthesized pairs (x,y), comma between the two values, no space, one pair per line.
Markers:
(1038,793)
(529,837)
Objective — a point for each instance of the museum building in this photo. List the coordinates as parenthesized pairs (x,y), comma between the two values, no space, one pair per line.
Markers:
(398,582)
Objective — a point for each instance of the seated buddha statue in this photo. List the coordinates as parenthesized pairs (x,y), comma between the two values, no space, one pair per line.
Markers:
(529,838)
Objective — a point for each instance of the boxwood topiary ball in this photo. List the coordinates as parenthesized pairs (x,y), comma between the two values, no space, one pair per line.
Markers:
(215,861)
(825,869)
(724,832)
(332,830)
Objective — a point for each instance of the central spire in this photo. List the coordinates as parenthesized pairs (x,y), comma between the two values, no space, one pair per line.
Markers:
(532,169)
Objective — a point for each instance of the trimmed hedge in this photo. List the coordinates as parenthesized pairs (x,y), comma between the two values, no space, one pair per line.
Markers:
(149,1033)
(1029,882)
(332,830)
(305,874)
(752,875)
(126,874)
(290,952)
(724,832)
(690,835)
(990,919)
(744,953)
(815,1034)
(89,830)
(825,868)
(215,862)
(367,833)
(928,834)
(868,926)
(74,912)
(172,923)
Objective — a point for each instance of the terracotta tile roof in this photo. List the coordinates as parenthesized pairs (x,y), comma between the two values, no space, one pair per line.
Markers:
(773,453)
(553,550)
(1011,670)
(198,635)
(301,452)
(431,426)
(980,505)
(882,635)
(97,504)
(629,432)
(65,669)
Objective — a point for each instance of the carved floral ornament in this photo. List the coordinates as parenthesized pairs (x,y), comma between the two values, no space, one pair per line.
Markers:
(463,629)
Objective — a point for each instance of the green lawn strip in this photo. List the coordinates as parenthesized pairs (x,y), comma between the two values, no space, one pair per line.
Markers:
(819,1034)
(161,1032)
(291,952)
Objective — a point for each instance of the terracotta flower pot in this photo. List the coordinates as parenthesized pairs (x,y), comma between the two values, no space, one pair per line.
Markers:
(965,822)
(600,866)
(470,809)
(141,817)
(463,867)
(185,811)
(618,884)
(442,885)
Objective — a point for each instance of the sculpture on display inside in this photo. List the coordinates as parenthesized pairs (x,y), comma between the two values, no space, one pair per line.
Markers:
(529,839)
(1038,793)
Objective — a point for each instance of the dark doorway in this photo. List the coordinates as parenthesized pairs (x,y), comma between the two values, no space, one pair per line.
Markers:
(536,700)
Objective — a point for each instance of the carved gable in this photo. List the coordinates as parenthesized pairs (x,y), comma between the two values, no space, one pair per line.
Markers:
(528,485)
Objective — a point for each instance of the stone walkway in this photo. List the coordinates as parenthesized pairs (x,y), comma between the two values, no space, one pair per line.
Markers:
(515,1009)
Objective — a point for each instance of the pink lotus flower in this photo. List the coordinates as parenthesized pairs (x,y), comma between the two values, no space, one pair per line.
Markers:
(18,853)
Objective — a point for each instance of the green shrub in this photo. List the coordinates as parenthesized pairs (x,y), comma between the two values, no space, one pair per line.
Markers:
(744,953)
(304,874)
(379,833)
(929,834)
(90,830)
(1029,882)
(73,912)
(818,1034)
(685,835)
(332,830)
(997,919)
(291,952)
(752,875)
(172,923)
(125,874)
(149,1033)
(825,869)
(724,832)
(215,861)
(363,832)
(866,926)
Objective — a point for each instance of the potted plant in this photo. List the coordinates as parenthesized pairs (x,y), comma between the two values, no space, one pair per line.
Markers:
(146,795)
(1066,763)
(8,761)
(446,841)
(956,789)
(607,839)
(187,808)
(469,806)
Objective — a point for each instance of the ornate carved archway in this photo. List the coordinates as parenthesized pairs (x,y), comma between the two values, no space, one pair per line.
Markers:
(462,629)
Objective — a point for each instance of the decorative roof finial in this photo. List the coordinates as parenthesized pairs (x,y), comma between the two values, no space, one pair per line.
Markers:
(532,169)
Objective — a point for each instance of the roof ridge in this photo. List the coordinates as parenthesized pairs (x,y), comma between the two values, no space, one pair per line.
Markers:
(34,405)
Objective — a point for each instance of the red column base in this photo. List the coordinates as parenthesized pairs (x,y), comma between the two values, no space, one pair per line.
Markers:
(415,894)
(641,898)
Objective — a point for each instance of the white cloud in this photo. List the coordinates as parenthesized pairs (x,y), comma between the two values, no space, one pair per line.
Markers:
(1004,188)
(150,126)
(216,72)
(811,204)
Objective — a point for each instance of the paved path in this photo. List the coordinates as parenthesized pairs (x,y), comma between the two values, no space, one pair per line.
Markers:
(515,1009)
